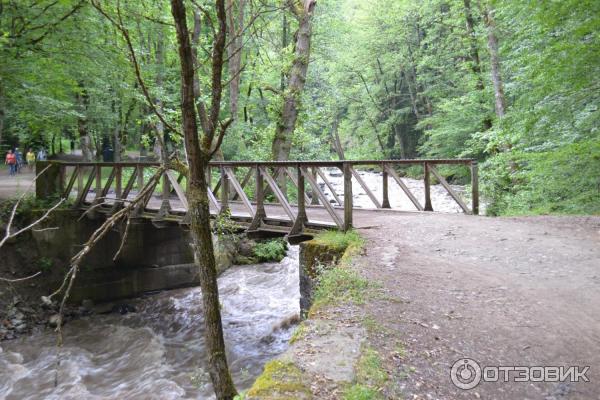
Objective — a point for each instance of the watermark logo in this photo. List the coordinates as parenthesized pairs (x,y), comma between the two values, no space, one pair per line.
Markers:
(466,374)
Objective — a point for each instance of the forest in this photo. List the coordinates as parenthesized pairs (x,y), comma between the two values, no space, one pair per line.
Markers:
(510,83)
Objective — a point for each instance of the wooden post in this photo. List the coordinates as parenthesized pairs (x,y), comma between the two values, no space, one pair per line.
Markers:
(386,200)
(428,206)
(224,191)
(81,171)
(209,177)
(118,182)
(165,205)
(474,188)
(301,217)
(260,202)
(98,183)
(347,196)
(118,188)
(140,177)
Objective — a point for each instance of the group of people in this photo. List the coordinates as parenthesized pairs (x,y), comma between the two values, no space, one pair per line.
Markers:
(15,161)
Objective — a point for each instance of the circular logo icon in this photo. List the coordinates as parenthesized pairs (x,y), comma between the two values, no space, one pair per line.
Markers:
(465,373)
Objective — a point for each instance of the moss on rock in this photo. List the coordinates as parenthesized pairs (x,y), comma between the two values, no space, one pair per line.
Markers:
(280,380)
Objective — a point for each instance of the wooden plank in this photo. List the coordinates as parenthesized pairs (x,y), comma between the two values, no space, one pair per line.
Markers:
(452,193)
(404,188)
(74,176)
(240,191)
(278,193)
(365,187)
(86,187)
(313,183)
(175,183)
(129,184)
(213,199)
(329,185)
(296,183)
(243,184)
(109,182)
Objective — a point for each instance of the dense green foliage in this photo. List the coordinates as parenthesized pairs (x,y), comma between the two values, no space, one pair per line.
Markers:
(270,250)
(391,78)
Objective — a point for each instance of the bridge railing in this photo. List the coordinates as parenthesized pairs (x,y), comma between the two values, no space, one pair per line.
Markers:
(251,190)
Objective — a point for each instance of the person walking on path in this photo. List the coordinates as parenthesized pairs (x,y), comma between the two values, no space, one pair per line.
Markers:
(41,156)
(20,160)
(30,158)
(11,161)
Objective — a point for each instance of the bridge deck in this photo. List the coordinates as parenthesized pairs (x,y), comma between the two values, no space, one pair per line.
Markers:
(323,190)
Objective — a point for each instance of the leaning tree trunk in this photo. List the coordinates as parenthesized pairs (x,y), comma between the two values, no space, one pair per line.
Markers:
(282,142)
(500,102)
(198,157)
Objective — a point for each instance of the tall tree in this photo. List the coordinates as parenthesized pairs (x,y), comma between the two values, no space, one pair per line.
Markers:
(291,96)
(199,153)
(499,99)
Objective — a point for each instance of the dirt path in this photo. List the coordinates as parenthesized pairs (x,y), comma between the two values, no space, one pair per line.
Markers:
(11,186)
(501,291)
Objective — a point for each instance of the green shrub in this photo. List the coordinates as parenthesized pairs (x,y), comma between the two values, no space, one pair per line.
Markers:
(270,250)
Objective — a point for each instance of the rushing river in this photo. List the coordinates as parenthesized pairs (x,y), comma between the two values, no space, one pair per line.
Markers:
(157,352)
(440,199)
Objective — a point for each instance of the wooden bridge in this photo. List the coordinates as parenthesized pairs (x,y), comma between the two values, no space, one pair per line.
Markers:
(270,197)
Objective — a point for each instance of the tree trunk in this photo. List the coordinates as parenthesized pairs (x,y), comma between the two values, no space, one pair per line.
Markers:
(85,141)
(474,50)
(291,96)
(234,51)
(198,158)
(160,147)
(500,102)
(337,143)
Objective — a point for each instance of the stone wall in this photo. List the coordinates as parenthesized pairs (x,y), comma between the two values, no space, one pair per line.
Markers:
(151,259)
(314,255)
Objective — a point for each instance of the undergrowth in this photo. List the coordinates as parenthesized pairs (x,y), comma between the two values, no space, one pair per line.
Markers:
(270,250)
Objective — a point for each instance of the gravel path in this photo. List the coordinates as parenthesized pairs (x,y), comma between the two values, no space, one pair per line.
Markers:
(501,291)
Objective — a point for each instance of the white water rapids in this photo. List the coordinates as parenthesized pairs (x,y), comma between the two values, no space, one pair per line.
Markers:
(157,352)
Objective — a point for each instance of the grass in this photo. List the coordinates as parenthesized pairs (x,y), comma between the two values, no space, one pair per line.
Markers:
(340,240)
(299,333)
(371,377)
(340,285)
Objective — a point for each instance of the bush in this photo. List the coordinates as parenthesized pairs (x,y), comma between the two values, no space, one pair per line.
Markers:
(270,250)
